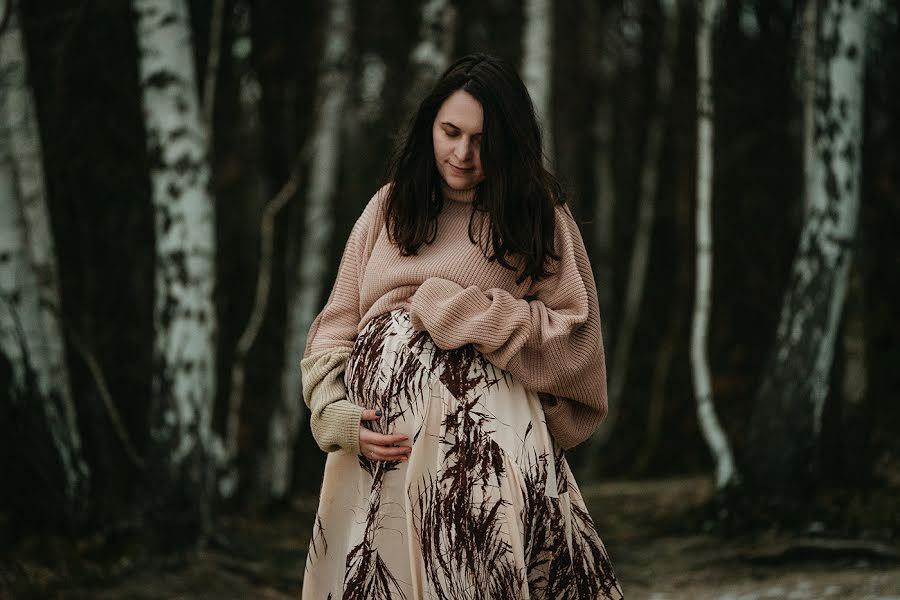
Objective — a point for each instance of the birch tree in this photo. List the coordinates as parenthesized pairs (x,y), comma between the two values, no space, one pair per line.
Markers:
(537,64)
(808,90)
(640,252)
(787,417)
(602,45)
(431,54)
(726,473)
(306,284)
(182,444)
(30,330)
(249,137)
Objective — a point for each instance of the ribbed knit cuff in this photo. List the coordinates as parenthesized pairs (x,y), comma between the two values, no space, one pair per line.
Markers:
(334,420)
(569,422)
(337,427)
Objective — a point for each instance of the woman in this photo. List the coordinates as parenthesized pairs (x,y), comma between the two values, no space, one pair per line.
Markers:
(459,354)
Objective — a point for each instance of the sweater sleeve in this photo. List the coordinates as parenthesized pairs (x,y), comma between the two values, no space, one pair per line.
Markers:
(550,341)
(334,420)
(336,326)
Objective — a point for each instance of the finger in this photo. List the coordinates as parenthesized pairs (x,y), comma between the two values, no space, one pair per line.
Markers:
(370,415)
(387,453)
(380,439)
(395,452)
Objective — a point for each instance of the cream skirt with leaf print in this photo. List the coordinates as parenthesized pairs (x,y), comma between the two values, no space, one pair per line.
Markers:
(486,506)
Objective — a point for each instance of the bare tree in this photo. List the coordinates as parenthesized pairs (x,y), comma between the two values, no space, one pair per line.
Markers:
(306,284)
(248,136)
(640,251)
(808,90)
(537,64)
(787,416)
(30,331)
(726,472)
(603,46)
(431,55)
(182,443)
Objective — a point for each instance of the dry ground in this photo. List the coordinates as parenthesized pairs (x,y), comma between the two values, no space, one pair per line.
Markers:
(638,520)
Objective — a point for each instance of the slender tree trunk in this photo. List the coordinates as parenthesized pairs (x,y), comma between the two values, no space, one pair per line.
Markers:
(673,341)
(606,72)
(640,252)
(787,417)
(808,91)
(248,139)
(431,55)
(182,443)
(30,329)
(855,420)
(726,473)
(537,65)
(305,286)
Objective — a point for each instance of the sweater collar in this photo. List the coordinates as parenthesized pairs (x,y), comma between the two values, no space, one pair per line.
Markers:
(467,195)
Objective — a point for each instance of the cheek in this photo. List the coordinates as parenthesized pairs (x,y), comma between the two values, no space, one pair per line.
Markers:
(444,148)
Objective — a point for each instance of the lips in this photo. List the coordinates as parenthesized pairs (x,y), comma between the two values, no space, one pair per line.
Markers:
(460,169)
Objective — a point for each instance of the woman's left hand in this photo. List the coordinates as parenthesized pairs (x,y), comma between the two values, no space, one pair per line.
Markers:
(380,446)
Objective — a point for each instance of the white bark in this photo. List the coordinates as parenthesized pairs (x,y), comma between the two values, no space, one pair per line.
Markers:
(30,329)
(184,377)
(537,65)
(306,285)
(431,55)
(640,252)
(830,226)
(788,413)
(726,473)
(371,84)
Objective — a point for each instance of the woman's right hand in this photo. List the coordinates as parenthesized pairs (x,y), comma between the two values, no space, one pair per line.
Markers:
(380,446)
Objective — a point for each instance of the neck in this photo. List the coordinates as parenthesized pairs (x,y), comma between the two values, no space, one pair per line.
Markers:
(466,195)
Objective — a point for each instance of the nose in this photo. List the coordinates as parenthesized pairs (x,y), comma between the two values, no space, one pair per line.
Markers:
(463,149)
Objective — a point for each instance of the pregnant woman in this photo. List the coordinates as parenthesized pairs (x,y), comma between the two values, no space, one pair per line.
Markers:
(458,355)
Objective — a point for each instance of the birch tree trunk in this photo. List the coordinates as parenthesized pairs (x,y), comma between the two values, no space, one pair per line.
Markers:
(248,138)
(787,417)
(855,414)
(182,445)
(537,65)
(640,252)
(599,47)
(30,330)
(431,55)
(808,91)
(305,286)
(726,473)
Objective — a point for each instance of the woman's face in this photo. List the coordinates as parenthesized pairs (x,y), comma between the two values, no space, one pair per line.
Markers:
(456,135)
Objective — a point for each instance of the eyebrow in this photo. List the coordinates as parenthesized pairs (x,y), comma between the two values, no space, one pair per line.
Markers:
(455,127)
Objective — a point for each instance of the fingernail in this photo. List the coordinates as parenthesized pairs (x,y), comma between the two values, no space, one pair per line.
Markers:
(377,412)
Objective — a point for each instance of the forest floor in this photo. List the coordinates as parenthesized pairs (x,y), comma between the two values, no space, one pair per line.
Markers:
(641,523)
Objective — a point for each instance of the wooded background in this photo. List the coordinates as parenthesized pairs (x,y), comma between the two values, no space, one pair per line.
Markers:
(177,181)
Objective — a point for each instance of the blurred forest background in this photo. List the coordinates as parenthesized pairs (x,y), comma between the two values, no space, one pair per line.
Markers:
(177,181)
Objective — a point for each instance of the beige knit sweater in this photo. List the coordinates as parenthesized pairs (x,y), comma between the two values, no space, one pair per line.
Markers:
(547,334)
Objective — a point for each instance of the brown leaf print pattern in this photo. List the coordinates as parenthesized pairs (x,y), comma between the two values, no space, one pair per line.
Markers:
(368,577)
(487,502)
(459,518)
(556,572)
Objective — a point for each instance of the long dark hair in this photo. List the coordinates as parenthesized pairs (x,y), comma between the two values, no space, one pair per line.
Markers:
(518,194)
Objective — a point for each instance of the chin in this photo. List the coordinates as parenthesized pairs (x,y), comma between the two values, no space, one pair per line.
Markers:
(459,183)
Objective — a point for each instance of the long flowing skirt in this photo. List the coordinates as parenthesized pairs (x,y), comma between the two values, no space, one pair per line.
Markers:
(485,507)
